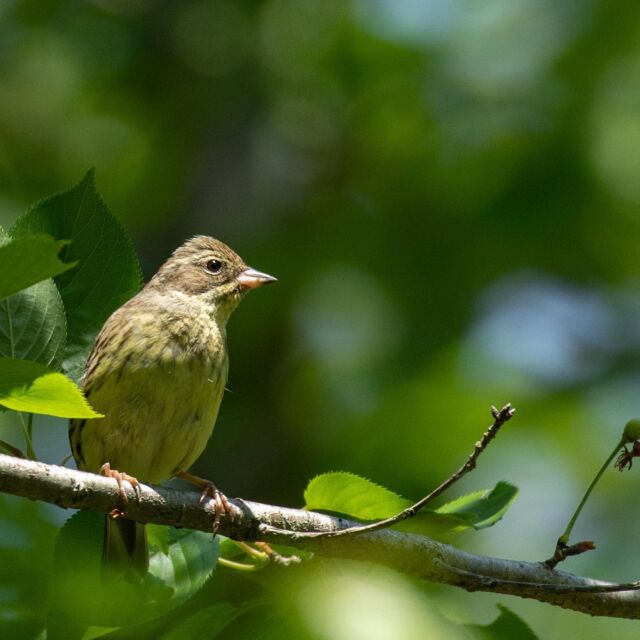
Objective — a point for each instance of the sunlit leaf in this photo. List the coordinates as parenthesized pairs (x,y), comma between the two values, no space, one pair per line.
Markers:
(28,259)
(32,387)
(108,273)
(359,498)
(482,508)
(348,493)
(507,626)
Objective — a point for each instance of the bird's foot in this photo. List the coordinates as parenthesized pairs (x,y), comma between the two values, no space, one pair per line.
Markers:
(221,503)
(120,478)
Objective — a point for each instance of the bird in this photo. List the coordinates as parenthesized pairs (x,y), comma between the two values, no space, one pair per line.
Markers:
(157,372)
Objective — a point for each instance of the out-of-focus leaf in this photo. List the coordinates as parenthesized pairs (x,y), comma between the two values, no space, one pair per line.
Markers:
(108,273)
(26,548)
(206,623)
(32,387)
(28,259)
(359,498)
(77,595)
(87,606)
(95,632)
(193,619)
(482,508)
(507,626)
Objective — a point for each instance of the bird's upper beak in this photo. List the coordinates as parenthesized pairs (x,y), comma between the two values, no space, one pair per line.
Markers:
(251,278)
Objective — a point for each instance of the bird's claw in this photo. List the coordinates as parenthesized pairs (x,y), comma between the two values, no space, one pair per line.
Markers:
(121,478)
(221,503)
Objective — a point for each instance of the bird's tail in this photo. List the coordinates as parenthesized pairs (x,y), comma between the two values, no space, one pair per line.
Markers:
(125,553)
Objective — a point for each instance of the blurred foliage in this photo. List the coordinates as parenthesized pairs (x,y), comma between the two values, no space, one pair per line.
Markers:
(448,194)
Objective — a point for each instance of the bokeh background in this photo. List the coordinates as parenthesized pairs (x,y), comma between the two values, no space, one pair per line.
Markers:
(448,192)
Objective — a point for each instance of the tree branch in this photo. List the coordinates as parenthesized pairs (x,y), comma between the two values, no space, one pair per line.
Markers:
(411,554)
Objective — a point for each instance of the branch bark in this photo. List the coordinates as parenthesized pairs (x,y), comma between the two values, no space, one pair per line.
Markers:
(411,554)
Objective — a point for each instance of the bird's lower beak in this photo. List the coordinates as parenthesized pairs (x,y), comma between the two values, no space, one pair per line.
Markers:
(251,278)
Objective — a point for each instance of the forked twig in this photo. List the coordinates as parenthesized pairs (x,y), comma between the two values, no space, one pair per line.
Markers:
(499,418)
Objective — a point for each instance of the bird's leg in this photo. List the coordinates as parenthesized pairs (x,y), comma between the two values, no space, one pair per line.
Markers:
(120,478)
(209,491)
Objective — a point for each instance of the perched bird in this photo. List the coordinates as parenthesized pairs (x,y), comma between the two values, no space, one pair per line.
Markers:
(157,372)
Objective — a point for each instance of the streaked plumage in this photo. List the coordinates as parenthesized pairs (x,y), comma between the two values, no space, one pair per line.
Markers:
(159,366)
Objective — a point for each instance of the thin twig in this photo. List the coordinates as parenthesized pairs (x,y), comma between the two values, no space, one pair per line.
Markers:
(499,418)
(11,450)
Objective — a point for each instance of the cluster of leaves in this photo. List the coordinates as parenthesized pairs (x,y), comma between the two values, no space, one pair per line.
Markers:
(65,266)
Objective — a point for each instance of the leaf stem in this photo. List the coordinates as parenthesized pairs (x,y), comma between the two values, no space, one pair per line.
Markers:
(238,566)
(564,538)
(26,432)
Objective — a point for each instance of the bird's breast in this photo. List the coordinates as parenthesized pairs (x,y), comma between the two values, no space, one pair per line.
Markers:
(160,384)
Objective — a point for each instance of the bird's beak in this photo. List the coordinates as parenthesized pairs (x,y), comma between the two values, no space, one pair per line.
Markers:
(251,278)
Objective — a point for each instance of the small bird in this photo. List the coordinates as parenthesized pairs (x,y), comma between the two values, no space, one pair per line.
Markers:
(157,372)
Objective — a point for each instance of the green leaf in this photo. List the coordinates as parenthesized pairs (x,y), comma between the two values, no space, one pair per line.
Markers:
(77,598)
(96,632)
(33,326)
(359,498)
(88,606)
(348,493)
(191,558)
(158,536)
(32,387)
(26,546)
(206,623)
(507,626)
(482,508)
(32,323)
(29,259)
(108,273)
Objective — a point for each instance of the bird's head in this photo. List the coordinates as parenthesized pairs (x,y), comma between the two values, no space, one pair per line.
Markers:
(208,269)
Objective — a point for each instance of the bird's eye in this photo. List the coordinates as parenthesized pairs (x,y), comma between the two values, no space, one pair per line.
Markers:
(214,266)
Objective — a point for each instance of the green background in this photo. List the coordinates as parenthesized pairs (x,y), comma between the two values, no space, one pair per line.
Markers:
(449,195)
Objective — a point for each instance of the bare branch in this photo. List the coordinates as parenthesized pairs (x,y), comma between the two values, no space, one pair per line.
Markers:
(411,554)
